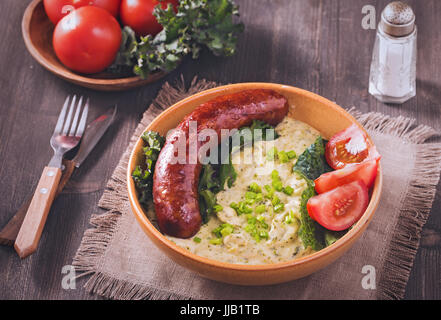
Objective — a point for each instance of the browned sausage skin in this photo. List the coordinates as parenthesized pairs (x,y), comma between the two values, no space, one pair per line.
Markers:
(175,186)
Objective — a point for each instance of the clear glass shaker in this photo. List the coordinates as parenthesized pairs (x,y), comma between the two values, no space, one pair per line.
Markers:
(393,68)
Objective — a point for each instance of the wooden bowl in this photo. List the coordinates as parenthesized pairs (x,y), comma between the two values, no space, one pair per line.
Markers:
(320,113)
(37,32)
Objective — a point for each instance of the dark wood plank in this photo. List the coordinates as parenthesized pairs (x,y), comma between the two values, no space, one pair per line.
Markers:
(317,45)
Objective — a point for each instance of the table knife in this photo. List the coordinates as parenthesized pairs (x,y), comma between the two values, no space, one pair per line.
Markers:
(94,131)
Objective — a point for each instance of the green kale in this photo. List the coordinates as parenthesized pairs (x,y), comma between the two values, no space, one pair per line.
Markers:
(312,162)
(246,136)
(214,177)
(143,174)
(309,230)
(123,63)
(197,24)
(227,174)
(310,165)
(332,236)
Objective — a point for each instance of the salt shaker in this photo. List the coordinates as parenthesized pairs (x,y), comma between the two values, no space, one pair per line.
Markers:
(393,68)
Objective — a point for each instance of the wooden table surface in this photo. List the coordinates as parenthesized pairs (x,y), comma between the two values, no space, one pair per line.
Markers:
(318,45)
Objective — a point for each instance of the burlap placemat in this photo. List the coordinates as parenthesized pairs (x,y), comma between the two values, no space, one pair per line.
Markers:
(124,264)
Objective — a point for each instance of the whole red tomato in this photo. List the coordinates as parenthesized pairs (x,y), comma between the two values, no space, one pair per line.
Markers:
(87,40)
(138,15)
(57,9)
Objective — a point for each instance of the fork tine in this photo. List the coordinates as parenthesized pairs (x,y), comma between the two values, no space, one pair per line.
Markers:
(82,124)
(77,115)
(61,117)
(69,116)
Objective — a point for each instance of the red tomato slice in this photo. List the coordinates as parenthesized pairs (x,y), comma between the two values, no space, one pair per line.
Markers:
(341,207)
(365,171)
(349,146)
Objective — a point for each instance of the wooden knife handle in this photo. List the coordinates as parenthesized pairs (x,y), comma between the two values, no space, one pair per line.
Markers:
(33,223)
(10,231)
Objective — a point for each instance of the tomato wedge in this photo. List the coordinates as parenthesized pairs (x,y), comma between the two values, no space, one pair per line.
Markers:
(349,146)
(341,207)
(365,171)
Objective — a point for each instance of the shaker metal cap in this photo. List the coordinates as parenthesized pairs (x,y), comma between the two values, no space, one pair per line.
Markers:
(398,19)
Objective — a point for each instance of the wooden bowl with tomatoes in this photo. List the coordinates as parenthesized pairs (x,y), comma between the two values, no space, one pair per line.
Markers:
(334,124)
(89,71)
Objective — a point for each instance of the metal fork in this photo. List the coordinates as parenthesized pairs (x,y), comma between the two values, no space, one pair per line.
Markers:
(67,134)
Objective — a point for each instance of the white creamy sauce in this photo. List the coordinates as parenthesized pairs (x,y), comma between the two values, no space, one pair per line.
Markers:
(253,166)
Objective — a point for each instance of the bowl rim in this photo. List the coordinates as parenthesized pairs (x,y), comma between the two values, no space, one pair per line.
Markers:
(66,73)
(151,231)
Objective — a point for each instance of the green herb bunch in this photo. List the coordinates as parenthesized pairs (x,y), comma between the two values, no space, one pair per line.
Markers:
(197,24)
(143,175)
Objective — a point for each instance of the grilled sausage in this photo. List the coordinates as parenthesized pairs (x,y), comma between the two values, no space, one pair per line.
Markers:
(175,186)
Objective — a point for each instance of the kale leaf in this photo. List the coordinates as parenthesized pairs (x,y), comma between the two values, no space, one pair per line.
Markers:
(312,162)
(227,174)
(309,230)
(143,174)
(332,236)
(310,165)
(214,177)
(197,24)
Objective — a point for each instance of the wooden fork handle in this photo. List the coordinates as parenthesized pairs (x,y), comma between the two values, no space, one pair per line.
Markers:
(33,223)
(10,231)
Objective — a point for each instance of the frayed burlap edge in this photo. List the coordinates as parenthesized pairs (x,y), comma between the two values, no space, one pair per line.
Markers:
(405,240)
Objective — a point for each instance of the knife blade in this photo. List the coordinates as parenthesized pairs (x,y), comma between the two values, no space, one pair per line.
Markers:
(93,133)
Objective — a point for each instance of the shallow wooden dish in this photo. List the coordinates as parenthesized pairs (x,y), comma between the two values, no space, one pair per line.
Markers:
(37,32)
(320,113)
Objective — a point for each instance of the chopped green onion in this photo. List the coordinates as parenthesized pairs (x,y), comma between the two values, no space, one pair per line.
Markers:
(197,239)
(288,190)
(275,175)
(241,208)
(289,217)
(283,156)
(218,208)
(250,195)
(227,230)
(270,190)
(250,228)
(275,200)
(260,209)
(254,187)
(263,234)
(279,207)
(291,154)
(271,155)
(217,232)
(216,241)
(223,230)
(252,220)
(278,185)
(259,197)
